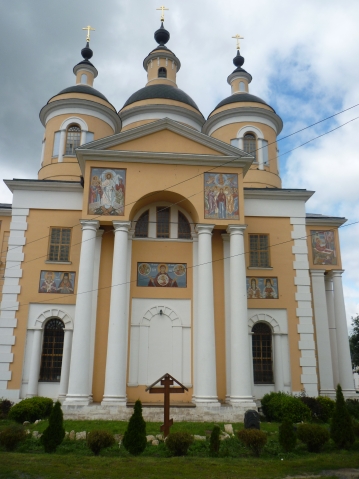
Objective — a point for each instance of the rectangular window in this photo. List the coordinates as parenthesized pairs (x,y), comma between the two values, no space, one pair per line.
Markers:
(265,152)
(163,222)
(56,149)
(259,251)
(89,136)
(59,247)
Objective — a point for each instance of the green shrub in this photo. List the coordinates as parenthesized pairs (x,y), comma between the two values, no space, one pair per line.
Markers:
(353,407)
(253,439)
(5,406)
(313,436)
(314,407)
(97,440)
(341,430)
(279,406)
(31,409)
(356,429)
(135,439)
(11,436)
(327,406)
(178,443)
(287,436)
(215,442)
(54,433)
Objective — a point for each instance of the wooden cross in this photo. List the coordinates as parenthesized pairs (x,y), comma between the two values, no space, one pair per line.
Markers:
(162,12)
(89,29)
(166,381)
(238,37)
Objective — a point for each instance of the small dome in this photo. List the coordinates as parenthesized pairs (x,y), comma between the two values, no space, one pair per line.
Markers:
(161,91)
(88,90)
(240,98)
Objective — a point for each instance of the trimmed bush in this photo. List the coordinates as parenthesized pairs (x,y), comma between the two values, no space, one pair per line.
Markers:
(356,429)
(11,436)
(313,436)
(327,406)
(54,433)
(341,430)
(254,439)
(279,406)
(287,436)
(5,406)
(97,440)
(314,407)
(215,442)
(178,443)
(135,439)
(353,407)
(31,409)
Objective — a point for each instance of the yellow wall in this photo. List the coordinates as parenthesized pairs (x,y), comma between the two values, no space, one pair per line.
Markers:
(152,73)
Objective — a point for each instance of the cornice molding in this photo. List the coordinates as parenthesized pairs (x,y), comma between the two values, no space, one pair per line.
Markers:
(5,212)
(80,103)
(277,194)
(235,75)
(41,185)
(325,221)
(233,115)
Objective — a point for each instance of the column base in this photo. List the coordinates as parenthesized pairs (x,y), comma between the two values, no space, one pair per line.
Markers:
(30,395)
(77,400)
(114,401)
(350,393)
(207,401)
(243,402)
(330,393)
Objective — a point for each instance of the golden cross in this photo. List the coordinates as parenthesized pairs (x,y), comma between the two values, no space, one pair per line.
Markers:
(162,12)
(238,37)
(88,28)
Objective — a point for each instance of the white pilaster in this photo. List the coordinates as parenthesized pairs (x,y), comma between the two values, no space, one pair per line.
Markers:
(278,363)
(65,366)
(227,311)
(34,364)
(322,333)
(260,154)
(344,361)
(332,328)
(60,158)
(116,362)
(205,349)
(241,380)
(79,392)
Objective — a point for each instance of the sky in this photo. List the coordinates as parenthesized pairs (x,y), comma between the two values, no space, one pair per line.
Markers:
(303,57)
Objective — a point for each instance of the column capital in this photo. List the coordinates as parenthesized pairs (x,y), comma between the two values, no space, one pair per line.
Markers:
(194,236)
(204,229)
(225,236)
(99,233)
(336,273)
(236,229)
(121,225)
(317,272)
(90,225)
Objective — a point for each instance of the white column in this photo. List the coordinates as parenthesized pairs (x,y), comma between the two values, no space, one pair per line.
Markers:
(260,154)
(227,312)
(61,146)
(79,392)
(278,363)
(34,364)
(83,137)
(65,366)
(205,348)
(344,361)
(322,333)
(241,379)
(194,308)
(332,329)
(116,362)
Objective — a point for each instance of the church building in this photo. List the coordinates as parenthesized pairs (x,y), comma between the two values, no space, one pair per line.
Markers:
(157,241)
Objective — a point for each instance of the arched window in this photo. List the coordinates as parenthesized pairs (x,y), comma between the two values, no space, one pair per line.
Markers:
(162,73)
(73,139)
(84,78)
(250,144)
(52,348)
(184,228)
(242,86)
(262,354)
(163,222)
(141,229)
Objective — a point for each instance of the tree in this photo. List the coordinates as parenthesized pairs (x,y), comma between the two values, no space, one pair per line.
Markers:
(54,433)
(354,342)
(341,430)
(135,439)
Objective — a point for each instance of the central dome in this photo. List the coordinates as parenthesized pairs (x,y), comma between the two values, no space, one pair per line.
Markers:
(161,91)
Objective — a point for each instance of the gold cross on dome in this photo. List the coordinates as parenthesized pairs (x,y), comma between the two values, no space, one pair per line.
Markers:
(89,29)
(163,8)
(238,37)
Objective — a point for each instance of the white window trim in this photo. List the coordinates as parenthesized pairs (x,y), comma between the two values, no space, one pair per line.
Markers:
(65,124)
(259,134)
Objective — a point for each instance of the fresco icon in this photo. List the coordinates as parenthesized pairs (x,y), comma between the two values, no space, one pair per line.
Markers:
(262,288)
(162,275)
(107,192)
(323,247)
(57,282)
(221,196)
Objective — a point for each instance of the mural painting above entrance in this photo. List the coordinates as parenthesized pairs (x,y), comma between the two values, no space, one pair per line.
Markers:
(57,282)
(262,288)
(162,275)
(323,247)
(221,196)
(107,192)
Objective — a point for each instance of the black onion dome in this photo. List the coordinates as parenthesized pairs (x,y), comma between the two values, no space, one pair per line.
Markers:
(161,91)
(240,98)
(88,90)
(238,60)
(86,52)
(162,35)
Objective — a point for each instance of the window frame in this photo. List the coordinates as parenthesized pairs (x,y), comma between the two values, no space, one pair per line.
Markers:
(262,360)
(52,345)
(66,139)
(59,244)
(251,152)
(162,70)
(147,212)
(163,208)
(187,235)
(259,264)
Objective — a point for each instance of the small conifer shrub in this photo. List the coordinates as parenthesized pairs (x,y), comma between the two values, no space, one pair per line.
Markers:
(287,436)
(178,443)
(327,406)
(254,439)
(135,440)
(313,436)
(215,441)
(54,433)
(97,440)
(341,430)
(11,436)
(5,406)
